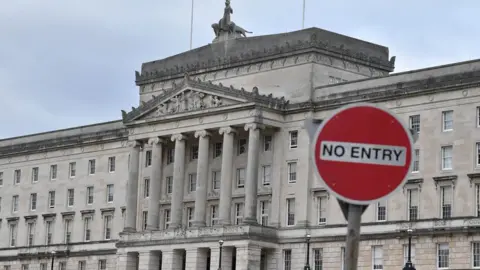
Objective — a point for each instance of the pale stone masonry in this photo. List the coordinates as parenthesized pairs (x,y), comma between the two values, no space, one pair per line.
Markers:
(221,153)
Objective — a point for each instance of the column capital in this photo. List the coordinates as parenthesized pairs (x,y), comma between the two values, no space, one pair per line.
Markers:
(178,137)
(202,133)
(227,130)
(154,141)
(254,126)
(134,144)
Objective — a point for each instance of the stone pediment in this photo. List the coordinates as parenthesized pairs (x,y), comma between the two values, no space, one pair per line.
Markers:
(191,95)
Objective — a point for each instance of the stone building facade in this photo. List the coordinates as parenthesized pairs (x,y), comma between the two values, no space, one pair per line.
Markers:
(217,151)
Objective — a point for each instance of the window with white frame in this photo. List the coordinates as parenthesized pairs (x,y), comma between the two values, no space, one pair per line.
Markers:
(102,264)
(190,216)
(67,230)
(477,155)
(48,231)
(267,143)
(169,184)
(110,193)
(477,200)
(477,120)
(81,265)
(30,233)
(412,203)
(217,151)
(192,182)
(144,220)
(447,120)
(342,258)
(86,228)
(90,192)
(166,218)
(13,233)
(238,213)
(170,155)
(381,211)
(405,254)
(33,201)
(214,215)
(34,174)
(241,146)
(70,197)
(72,169)
(14,203)
(1,178)
(216,176)
(53,172)
(446,200)
(447,157)
(377,257)
(290,212)
(321,209)
(148,158)
(146,187)
(107,226)
(443,256)
(17,175)
(287,259)
(111,164)
(416,161)
(414,122)
(91,166)
(292,172)
(194,152)
(293,136)
(264,210)
(240,177)
(266,174)
(318,259)
(476,254)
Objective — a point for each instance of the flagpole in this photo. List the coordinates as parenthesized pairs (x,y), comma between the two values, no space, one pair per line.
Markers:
(303,18)
(191,27)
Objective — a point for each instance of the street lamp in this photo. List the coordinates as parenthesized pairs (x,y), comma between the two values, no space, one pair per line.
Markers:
(307,263)
(409,264)
(53,259)
(220,242)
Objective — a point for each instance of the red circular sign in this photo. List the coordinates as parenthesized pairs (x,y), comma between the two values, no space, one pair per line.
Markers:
(363,153)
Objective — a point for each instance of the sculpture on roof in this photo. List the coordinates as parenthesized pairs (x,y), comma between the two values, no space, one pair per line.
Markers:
(225,25)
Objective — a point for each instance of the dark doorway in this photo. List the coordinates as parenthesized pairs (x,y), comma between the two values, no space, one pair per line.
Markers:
(184,259)
(160,261)
(234,258)
(209,253)
(263,260)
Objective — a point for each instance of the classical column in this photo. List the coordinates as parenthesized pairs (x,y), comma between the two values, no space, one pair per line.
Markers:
(155,183)
(149,260)
(226,175)
(251,184)
(132,188)
(178,181)
(202,178)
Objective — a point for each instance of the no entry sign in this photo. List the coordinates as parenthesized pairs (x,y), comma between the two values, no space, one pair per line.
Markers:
(362,153)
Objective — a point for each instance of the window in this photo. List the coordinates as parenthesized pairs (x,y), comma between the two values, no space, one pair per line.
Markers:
(287,259)
(14,203)
(192,182)
(447,120)
(447,156)
(102,264)
(146,187)
(24,266)
(216,176)
(477,156)
(72,169)
(53,172)
(213,215)
(67,223)
(446,200)
(86,228)
(242,146)
(62,266)
(377,257)
(264,209)
(476,254)
(107,227)
(414,122)
(293,139)
(48,232)
(43,266)
(166,218)
(321,210)
(416,161)
(144,220)
(6,267)
(111,164)
(17,174)
(169,183)
(190,216)
(33,201)
(70,197)
(148,158)
(91,166)
(478,117)
(110,192)
(342,257)
(1,178)
(34,174)
(217,151)
(0,206)
(318,259)
(290,212)
(30,234)
(240,177)
(477,199)
(81,265)
(382,211)
(13,234)
(90,192)
(238,213)
(194,152)
(267,143)
(266,172)
(412,203)
(170,155)
(405,254)
(292,172)
(443,254)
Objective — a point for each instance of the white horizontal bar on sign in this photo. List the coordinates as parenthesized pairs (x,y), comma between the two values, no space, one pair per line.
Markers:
(363,153)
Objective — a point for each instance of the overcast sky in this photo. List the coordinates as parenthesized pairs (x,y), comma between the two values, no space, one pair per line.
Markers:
(65,63)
